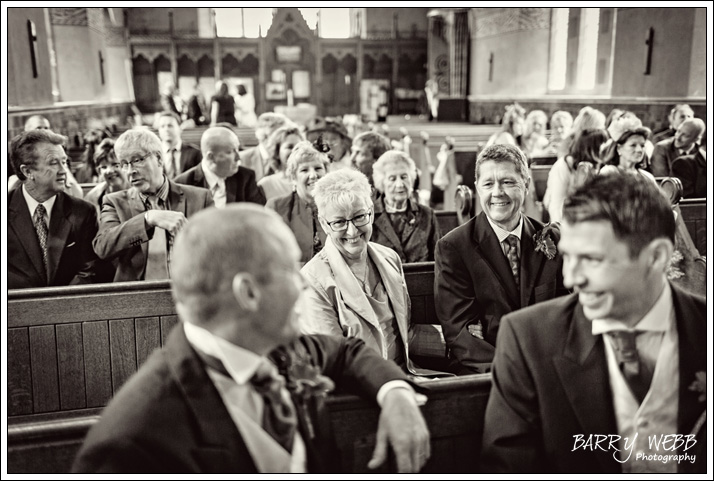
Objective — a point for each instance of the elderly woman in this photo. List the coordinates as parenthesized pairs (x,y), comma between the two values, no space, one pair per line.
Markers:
(399,221)
(112,177)
(357,287)
(280,144)
(305,166)
(628,154)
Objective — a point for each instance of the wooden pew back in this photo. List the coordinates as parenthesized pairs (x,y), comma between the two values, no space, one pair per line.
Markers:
(694,214)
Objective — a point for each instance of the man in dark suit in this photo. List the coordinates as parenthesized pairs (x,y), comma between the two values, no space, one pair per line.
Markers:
(685,142)
(138,225)
(196,108)
(178,157)
(692,171)
(49,236)
(257,158)
(677,115)
(592,382)
(219,171)
(194,405)
(493,264)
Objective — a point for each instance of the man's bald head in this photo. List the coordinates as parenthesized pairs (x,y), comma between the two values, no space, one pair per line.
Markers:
(37,122)
(219,147)
(216,138)
(689,133)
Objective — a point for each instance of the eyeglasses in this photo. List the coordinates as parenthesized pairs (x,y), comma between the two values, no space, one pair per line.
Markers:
(136,162)
(357,221)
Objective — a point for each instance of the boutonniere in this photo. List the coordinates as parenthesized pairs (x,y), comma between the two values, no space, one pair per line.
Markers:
(546,240)
(674,270)
(700,385)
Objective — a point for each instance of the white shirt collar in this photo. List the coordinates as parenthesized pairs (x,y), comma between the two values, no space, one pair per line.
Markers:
(657,318)
(503,234)
(240,363)
(211,178)
(32,204)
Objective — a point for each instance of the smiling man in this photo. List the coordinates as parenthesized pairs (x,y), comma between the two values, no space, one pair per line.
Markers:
(138,225)
(491,265)
(49,238)
(622,359)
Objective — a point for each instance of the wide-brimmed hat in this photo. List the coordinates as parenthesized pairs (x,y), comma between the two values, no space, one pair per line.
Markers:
(326,124)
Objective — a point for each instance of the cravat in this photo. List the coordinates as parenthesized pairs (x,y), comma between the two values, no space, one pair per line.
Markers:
(511,244)
(42,233)
(156,265)
(279,418)
(635,372)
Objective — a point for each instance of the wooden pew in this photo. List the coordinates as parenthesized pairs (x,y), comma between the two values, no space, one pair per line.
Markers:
(694,214)
(447,221)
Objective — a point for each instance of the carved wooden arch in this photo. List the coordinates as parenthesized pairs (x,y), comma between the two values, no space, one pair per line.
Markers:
(383,67)
(162,63)
(186,67)
(329,64)
(348,63)
(250,65)
(230,66)
(205,66)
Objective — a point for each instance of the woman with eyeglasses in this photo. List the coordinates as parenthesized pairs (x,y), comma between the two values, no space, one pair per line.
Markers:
(357,287)
(111,175)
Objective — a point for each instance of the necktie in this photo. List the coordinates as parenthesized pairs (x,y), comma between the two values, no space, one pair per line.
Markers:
(511,244)
(156,257)
(635,372)
(170,164)
(42,233)
(279,418)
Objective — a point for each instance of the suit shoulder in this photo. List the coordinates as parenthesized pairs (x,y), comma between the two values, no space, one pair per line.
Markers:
(541,314)
(191,147)
(194,190)
(279,204)
(460,235)
(384,251)
(245,172)
(187,178)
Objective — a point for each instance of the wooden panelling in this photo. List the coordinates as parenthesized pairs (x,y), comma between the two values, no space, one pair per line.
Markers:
(167,323)
(97,363)
(43,362)
(19,380)
(70,357)
(122,348)
(694,213)
(147,337)
(447,221)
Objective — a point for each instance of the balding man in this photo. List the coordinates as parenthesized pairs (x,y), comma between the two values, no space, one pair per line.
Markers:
(196,406)
(37,122)
(219,171)
(685,142)
(257,158)
(137,226)
(691,169)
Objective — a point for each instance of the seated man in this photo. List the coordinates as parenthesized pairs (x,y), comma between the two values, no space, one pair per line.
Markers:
(219,171)
(258,158)
(138,225)
(178,157)
(49,235)
(685,142)
(692,171)
(677,115)
(595,381)
(202,404)
(498,262)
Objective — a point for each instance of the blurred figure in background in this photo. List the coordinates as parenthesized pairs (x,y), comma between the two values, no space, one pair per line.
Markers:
(196,109)
(280,146)
(367,147)
(512,126)
(335,135)
(222,105)
(245,108)
(534,139)
(257,158)
(560,124)
(677,115)
(112,178)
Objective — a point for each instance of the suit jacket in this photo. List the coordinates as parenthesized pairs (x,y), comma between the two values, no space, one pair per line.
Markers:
(240,187)
(663,157)
(122,230)
(190,156)
(692,171)
(170,418)
(298,217)
(551,382)
(421,232)
(473,283)
(73,225)
(196,110)
(252,159)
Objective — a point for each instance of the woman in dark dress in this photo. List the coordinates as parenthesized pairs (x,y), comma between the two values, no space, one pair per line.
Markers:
(222,105)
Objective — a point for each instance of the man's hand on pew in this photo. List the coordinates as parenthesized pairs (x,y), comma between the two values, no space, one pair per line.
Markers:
(168,220)
(402,426)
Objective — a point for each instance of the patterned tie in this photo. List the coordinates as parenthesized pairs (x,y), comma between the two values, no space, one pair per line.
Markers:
(42,233)
(511,244)
(279,418)
(157,253)
(636,374)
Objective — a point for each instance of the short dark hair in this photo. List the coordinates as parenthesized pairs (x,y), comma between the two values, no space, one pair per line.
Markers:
(586,146)
(22,148)
(174,115)
(376,143)
(635,207)
(504,153)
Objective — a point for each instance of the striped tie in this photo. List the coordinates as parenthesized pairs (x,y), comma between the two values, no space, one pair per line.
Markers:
(511,244)
(42,233)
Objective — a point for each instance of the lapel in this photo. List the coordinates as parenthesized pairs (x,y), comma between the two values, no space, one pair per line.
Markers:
(531,261)
(232,187)
(177,202)
(488,247)
(350,290)
(583,373)
(21,222)
(182,158)
(395,292)
(692,332)
(60,226)
(219,444)
(199,177)
(384,225)
(415,215)
(136,207)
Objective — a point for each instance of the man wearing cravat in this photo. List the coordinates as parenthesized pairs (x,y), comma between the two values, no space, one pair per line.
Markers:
(220,396)
(177,156)
(258,158)
(685,142)
(624,357)
(49,236)
(137,226)
(219,171)
(496,263)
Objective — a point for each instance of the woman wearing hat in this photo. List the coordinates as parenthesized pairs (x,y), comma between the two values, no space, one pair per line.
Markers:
(335,135)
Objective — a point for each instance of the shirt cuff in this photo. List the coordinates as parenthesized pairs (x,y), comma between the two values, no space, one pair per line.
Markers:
(399,384)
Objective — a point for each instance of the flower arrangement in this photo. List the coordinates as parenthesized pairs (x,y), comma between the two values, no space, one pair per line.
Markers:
(674,270)
(546,240)
(700,385)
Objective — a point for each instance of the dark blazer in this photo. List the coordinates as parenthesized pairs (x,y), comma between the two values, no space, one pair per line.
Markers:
(240,187)
(421,232)
(169,417)
(196,111)
(298,217)
(663,156)
(252,159)
(551,382)
(122,230)
(692,171)
(190,156)
(473,282)
(71,259)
